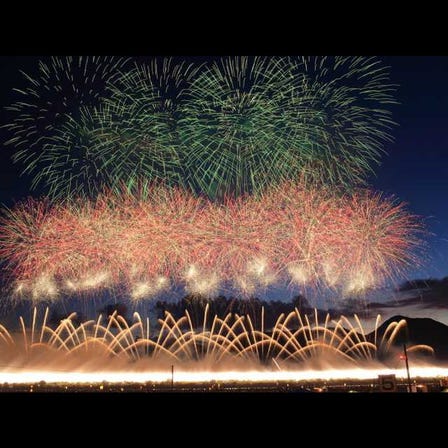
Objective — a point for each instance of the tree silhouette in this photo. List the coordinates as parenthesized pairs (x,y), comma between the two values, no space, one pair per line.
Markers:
(120,308)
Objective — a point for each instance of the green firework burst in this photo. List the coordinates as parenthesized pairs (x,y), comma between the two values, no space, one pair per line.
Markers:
(250,122)
(232,126)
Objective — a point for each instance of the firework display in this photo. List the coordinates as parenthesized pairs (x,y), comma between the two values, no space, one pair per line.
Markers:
(211,175)
(64,90)
(250,121)
(295,338)
(204,178)
(235,125)
(163,236)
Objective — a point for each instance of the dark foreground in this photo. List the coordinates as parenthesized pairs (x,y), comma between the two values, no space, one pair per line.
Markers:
(365,386)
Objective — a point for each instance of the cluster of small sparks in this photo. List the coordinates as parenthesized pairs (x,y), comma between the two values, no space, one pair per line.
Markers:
(150,241)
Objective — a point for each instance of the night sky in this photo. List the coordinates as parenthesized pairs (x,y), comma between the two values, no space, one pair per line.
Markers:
(415,168)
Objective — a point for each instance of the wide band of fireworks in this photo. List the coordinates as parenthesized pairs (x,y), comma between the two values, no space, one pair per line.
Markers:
(295,338)
(143,243)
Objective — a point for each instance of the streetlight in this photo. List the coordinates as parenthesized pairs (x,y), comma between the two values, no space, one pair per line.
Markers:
(407,365)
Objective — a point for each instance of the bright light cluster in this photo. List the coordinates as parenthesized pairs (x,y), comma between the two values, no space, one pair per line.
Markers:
(35,376)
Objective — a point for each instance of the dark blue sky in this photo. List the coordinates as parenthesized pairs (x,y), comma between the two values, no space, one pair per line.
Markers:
(415,168)
(416,165)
